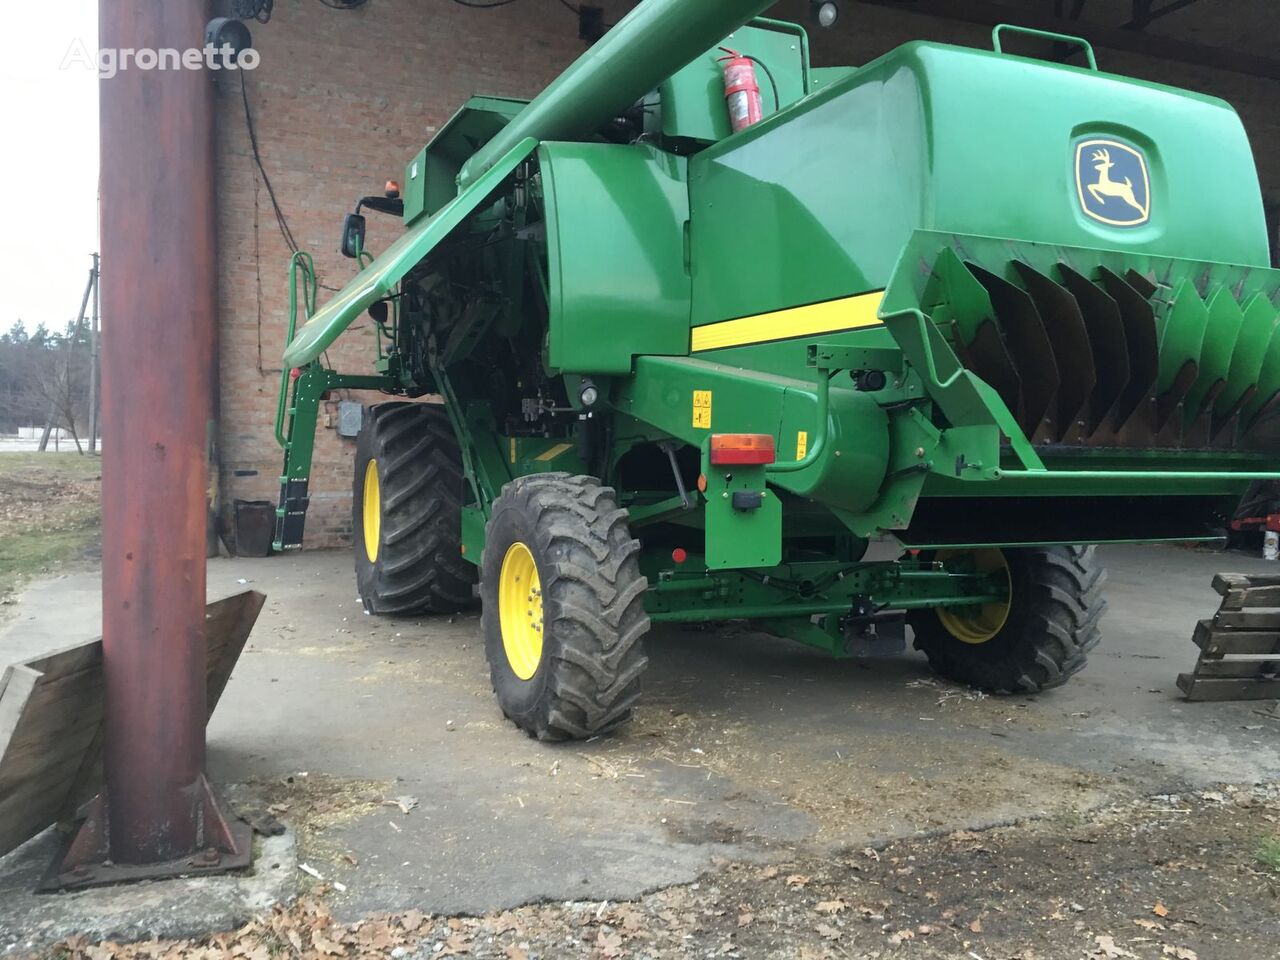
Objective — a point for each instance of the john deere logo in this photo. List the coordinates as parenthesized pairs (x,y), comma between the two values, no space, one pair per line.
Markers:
(1112,183)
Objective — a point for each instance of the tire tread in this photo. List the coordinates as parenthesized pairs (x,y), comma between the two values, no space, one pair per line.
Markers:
(1061,626)
(593,603)
(420,568)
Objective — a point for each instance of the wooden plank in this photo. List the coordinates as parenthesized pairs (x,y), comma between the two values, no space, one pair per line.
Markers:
(51,720)
(1237,599)
(20,681)
(1215,643)
(1196,688)
(1250,620)
(1238,667)
(33,797)
(1223,583)
(39,769)
(228,623)
(52,726)
(1239,590)
(68,660)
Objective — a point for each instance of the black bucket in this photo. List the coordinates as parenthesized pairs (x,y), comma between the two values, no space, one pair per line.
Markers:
(255,527)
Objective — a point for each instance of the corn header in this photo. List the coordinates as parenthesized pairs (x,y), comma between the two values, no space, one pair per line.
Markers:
(705,332)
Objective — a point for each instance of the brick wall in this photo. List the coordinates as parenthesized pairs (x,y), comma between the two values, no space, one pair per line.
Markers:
(341,101)
(343,98)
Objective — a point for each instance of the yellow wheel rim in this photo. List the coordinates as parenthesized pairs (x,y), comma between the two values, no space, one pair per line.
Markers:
(978,624)
(372,512)
(520,611)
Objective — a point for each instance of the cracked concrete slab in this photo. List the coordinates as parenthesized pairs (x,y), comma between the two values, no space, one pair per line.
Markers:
(177,909)
(743,746)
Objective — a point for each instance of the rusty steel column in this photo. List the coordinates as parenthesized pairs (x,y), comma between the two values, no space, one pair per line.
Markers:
(158,236)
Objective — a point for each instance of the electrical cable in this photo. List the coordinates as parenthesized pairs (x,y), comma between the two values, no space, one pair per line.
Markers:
(344,4)
(281,220)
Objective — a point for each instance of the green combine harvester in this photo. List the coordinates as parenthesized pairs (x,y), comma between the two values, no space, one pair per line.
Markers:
(899,352)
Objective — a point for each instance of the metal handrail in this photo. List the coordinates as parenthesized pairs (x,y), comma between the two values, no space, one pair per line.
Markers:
(301,263)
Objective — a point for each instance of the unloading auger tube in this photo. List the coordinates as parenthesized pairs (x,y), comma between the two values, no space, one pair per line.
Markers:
(898,354)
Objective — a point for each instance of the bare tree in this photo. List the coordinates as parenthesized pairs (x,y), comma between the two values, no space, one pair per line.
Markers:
(64,388)
(60,382)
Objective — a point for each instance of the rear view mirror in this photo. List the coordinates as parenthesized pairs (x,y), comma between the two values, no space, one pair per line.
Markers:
(353,235)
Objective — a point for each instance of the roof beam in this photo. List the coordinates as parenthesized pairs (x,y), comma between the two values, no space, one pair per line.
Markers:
(988,13)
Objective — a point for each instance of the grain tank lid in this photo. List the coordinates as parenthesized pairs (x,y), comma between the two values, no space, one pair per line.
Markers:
(379,279)
(474,124)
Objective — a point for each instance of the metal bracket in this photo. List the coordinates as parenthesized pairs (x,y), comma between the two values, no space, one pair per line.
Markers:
(226,844)
(839,356)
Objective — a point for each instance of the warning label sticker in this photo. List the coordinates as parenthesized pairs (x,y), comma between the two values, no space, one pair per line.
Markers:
(702,409)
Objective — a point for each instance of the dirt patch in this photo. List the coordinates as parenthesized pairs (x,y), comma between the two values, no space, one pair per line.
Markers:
(1181,877)
(884,784)
(315,805)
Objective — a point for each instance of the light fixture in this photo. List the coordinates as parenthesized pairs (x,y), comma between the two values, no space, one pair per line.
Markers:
(589,394)
(230,34)
(824,13)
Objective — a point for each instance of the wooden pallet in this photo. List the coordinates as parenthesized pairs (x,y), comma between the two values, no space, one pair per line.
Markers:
(1240,646)
(51,721)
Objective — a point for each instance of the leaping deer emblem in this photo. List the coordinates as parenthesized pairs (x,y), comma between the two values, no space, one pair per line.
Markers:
(1106,187)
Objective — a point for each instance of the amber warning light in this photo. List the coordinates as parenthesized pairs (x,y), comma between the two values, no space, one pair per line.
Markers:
(741,449)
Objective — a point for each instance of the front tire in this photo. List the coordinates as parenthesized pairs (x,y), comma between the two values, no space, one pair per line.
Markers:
(406,512)
(563,607)
(1038,640)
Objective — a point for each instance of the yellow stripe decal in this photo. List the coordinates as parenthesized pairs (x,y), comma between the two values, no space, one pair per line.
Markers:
(847,313)
(554,452)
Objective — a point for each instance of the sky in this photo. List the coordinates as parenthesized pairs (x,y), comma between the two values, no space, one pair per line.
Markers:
(48,162)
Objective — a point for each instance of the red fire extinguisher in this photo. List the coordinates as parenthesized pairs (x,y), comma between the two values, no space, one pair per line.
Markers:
(741,90)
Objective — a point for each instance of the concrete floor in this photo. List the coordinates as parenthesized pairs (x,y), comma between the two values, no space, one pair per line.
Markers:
(744,746)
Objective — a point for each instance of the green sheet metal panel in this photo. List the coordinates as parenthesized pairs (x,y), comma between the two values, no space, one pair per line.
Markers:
(741,539)
(809,205)
(615,244)
(1182,336)
(1220,334)
(430,179)
(692,399)
(1258,331)
(944,138)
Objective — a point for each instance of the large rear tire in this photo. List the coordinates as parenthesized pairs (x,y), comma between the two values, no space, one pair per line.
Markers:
(563,607)
(1038,640)
(406,512)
